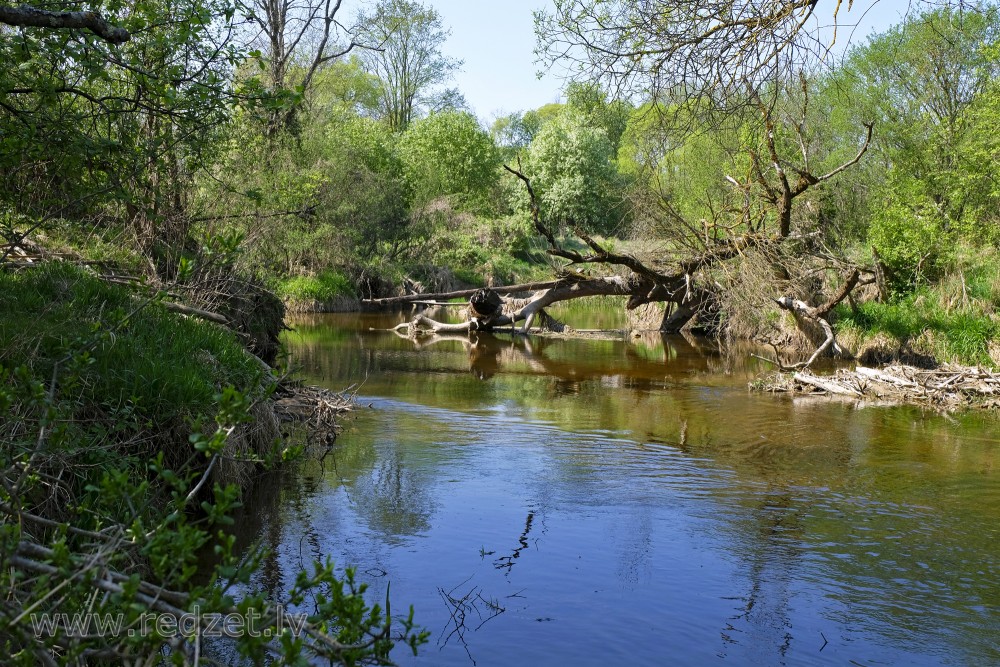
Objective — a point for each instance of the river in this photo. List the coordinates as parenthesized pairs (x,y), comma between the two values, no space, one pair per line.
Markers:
(630,502)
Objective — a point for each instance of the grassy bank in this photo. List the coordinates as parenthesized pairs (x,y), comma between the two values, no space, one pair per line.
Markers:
(124,427)
(953,320)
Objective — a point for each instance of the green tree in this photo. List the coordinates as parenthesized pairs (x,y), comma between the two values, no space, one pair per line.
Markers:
(921,81)
(515,131)
(448,153)
(570,164)
(93,132)
(343,85)
(591,102)
(406,56)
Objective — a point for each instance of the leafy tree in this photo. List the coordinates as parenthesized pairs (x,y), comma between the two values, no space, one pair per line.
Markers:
(408,59)
(980,154)
(448,153)
(570,164)
(920,81)
(89,130)
(343,85)
(591,102)
(511,133)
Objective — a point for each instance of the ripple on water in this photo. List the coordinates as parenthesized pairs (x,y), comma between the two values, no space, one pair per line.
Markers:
(654,512)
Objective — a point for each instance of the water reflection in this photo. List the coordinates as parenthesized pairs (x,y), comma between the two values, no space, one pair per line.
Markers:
(630,502)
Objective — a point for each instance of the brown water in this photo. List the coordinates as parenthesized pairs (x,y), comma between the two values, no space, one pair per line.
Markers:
(585,502)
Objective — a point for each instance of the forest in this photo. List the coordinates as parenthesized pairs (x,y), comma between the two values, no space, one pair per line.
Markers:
(331,161)
(721,167)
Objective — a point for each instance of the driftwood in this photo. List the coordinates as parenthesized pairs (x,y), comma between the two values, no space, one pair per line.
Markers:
(523,310)
(946,387)
(824,384)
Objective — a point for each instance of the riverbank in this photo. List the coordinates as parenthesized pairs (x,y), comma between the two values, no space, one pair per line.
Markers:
(130,426)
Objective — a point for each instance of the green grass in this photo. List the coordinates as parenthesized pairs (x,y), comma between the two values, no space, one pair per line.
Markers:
(100,244)
(960,335)
(955,319)
(323,287)
(160,367)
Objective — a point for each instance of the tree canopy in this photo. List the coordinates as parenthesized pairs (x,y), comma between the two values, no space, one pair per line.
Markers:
(405,39)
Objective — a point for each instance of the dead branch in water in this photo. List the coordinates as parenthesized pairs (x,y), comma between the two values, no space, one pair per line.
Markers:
(947,387)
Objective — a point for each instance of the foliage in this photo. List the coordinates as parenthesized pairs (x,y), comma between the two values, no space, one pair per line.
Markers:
(910,237)
(570,165)
(448,153)
(408,61)
(90,129)
(923,83)
(344,86)
(591,103)
(515,131)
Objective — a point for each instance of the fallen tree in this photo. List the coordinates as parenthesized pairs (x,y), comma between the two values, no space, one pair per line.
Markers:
(688,285)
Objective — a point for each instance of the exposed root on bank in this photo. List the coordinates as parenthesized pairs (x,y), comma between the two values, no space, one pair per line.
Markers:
(947,387)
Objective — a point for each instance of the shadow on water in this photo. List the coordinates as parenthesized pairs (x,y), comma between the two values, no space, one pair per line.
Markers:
(630,502)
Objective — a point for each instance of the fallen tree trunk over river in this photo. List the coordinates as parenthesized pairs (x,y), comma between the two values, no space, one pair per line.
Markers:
(511,311)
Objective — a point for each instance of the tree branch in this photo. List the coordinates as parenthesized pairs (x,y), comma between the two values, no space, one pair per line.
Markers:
(30,17)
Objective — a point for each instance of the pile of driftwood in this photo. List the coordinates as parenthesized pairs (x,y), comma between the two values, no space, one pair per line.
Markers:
(315,408)
(947,386)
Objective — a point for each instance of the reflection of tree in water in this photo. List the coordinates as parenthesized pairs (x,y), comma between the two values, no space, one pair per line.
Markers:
(771,551)
(392,498)
(639,361)
(633,538)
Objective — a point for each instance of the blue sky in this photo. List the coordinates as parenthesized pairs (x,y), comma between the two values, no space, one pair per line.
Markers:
(496,40)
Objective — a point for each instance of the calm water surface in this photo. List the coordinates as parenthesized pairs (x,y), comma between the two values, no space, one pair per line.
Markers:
(629,502)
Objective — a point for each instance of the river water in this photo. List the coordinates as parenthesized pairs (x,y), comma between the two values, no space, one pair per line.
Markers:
(630,502)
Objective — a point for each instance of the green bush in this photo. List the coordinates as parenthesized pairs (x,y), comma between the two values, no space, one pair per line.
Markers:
(911,242)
